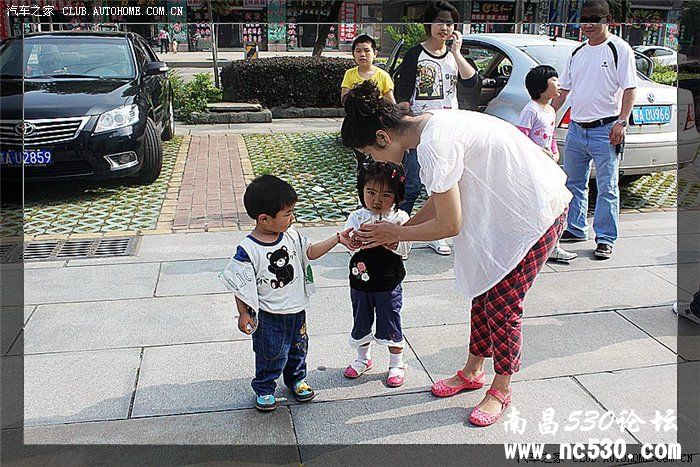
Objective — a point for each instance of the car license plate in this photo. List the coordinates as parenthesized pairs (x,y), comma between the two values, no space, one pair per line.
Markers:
(651,114)
(15,157)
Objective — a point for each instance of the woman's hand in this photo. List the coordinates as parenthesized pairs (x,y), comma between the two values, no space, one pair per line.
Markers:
(381,233)
(392,246)
(456,42)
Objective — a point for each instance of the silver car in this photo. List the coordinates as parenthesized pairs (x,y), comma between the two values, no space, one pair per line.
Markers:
(505,59)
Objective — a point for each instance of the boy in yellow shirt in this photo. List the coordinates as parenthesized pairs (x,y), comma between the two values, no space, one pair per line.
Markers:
(364,51)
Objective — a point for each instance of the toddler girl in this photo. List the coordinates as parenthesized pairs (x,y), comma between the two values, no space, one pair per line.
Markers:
(537,122)
(376,273)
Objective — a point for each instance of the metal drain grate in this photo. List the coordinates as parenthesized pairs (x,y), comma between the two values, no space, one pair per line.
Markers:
(72,249)
(112,247)
(69,249)
(39,251)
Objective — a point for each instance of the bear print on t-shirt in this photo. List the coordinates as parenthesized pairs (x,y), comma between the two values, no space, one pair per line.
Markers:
(280,267)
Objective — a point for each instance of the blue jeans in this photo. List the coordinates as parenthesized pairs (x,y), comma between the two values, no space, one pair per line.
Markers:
(581,147)
(413,183)
(280,344)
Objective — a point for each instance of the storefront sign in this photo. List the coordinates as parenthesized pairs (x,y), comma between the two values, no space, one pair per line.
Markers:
(276,16)
(348,21)
(493,12)
(565,11)
(671,37)
(640,15)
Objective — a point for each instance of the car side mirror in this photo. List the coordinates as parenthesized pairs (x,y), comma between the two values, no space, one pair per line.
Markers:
(644,64)
(156,68)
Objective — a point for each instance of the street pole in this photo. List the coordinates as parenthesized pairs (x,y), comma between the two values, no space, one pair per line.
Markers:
(213,45)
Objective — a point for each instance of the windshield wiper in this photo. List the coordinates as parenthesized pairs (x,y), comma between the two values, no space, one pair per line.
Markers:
(67,75)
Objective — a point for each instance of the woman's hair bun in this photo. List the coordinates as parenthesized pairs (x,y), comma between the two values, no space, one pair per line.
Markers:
(363,101)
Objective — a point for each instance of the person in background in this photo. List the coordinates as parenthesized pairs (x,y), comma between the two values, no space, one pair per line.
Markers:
(428,80)
(364,51)
(163,40)
(601,78)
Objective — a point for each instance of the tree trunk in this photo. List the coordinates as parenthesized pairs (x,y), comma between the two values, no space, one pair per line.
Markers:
(324,29)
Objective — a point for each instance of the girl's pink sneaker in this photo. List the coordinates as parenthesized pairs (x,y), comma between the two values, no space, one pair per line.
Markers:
(440,389)
(480,418)
(352,373)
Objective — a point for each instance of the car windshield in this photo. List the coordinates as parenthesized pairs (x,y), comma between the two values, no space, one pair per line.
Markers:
(557,56)
(553,55)
(67,57)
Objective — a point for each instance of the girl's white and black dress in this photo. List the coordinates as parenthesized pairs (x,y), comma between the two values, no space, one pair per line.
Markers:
(375,285)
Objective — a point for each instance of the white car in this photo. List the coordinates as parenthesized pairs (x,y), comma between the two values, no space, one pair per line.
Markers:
(661,55)
(661,135)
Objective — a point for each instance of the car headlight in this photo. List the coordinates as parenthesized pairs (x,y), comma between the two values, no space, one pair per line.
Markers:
(117,118)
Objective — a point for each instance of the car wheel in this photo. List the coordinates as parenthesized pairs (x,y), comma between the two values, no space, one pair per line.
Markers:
(152,156)
(169,130)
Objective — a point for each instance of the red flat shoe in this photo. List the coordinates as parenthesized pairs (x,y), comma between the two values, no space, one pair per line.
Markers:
(351,373)
(480,418)
(440,389)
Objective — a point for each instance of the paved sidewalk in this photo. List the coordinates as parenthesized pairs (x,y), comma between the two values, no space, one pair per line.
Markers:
(145,349)
(213,184)
(291,125)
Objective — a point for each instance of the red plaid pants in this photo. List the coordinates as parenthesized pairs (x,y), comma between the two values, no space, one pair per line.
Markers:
(497,314)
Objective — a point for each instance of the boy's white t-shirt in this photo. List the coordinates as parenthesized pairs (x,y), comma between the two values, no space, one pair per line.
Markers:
(539,124)
(279,271)
(510,191)
(596,84)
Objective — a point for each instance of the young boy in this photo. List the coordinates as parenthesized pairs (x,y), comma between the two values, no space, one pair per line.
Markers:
(537,121)
(364,51)
(271,278)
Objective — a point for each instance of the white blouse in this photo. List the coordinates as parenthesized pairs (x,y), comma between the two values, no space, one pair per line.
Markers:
(511,191)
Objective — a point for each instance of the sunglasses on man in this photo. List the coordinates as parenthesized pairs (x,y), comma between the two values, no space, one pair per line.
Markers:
(595,19)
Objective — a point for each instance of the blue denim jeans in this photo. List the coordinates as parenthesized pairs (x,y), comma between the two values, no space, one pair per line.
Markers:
(280,344)
(581,147)
(413,183)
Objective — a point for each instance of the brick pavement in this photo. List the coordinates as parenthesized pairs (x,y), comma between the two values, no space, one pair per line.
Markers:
(213,183)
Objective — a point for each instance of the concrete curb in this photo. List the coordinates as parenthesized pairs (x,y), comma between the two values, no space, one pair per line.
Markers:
(311,112)
(208,118)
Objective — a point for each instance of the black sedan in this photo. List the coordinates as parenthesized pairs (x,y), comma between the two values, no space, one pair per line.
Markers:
(83,105)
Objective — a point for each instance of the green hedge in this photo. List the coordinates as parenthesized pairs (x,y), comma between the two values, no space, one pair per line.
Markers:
(664,74)
(285,81)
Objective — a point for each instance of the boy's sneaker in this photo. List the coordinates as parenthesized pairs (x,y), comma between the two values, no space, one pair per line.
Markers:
(686,313)
(568,237)
(603,251)
(441,247)
(265,403)
(302,391)
(560,254)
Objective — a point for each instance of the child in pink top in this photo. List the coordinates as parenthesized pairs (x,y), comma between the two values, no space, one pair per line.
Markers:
(537,121)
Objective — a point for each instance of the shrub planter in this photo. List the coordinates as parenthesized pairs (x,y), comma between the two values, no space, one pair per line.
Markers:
(296,82)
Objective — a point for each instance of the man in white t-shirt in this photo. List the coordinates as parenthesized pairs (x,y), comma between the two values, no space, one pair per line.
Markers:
(601,79)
